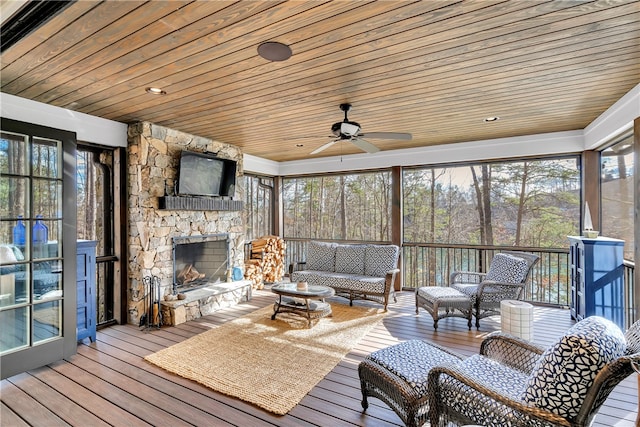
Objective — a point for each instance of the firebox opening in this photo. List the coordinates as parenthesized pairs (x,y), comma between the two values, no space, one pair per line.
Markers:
(199,261)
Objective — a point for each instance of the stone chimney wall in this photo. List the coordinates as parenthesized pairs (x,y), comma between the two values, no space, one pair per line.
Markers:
(153,158)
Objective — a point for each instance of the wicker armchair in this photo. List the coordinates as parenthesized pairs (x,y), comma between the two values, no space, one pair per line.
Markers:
(513,382)
(505,280)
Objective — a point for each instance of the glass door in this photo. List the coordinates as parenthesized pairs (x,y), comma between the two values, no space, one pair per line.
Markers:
(36,275)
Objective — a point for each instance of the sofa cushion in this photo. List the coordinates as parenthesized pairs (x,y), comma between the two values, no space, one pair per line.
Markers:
(378,259)
(411,361)
(443,294)
(352,282)
(495,376)
(313,277)
(506,268)
(350,259)
(469,289)
(565,371)
(357,283)
(321,256)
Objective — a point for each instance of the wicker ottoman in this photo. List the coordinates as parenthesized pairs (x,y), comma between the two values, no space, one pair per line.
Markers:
(397,375)
(443,302)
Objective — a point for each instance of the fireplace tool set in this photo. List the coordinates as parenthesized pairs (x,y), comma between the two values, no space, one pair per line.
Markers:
(152,317)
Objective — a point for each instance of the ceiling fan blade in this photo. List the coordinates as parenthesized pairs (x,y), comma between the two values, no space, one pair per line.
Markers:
(364,145)
(387,135)
(294,137)
(325,146)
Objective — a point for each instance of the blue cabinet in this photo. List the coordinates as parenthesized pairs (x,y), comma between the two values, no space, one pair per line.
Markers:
(86,290)
(597,281)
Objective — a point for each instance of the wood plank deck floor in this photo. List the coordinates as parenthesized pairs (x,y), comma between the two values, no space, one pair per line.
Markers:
(108,382)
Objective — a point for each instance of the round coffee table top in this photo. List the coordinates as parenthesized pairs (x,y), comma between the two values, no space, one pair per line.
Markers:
(312,291)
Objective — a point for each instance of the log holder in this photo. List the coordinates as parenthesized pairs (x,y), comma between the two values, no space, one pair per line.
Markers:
(152,317)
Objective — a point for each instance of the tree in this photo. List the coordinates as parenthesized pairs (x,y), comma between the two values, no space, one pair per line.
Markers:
(483,197)
(528,190)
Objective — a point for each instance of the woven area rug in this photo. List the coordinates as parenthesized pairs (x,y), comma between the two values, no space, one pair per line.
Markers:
(270,363)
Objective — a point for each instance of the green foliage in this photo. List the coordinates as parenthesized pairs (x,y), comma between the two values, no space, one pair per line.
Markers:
(533,203)
(338,207)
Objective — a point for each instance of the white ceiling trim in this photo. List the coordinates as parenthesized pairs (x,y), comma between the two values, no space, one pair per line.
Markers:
(88,128)
(614,121)
(10,8)
(260,166)
(522,146)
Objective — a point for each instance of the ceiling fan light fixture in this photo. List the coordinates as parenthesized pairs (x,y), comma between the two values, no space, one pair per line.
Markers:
(274,51)
(155,91)
(349,129)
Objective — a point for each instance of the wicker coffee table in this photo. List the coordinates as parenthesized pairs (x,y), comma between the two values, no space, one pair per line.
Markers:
(307,303)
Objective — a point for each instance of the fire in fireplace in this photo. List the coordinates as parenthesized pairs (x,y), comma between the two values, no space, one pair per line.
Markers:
(199,261)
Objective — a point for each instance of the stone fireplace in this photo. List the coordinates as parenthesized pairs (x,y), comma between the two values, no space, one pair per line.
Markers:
(153,228)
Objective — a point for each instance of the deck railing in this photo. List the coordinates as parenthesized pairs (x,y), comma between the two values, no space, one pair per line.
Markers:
(426,264)
(430,264)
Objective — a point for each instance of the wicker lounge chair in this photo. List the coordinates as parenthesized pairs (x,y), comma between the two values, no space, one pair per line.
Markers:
(513,382)
(505,280)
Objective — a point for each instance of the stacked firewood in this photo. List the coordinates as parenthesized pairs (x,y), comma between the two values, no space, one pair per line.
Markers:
(253,273)
(189,274)
(269,251)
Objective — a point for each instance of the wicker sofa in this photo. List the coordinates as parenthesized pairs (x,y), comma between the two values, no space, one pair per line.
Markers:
(364,272)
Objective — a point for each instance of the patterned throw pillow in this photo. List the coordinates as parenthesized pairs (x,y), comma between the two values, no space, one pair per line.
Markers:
(507,268)
(321,256)
(565,371)
(350,259)
(378,259)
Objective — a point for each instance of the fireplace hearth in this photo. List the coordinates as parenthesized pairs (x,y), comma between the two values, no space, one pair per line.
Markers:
(200,261)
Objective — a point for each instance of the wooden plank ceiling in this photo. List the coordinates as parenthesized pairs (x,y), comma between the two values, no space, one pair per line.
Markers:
(434,69)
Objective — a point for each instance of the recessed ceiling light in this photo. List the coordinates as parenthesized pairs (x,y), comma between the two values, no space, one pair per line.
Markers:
(274,51)
(155,91)
(491,119)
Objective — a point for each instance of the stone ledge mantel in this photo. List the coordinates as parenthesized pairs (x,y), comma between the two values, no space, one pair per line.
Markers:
(200,203)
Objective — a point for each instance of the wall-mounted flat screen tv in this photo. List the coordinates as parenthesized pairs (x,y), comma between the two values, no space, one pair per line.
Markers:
(203,174)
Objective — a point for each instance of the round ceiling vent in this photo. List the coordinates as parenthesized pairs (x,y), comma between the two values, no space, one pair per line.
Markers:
(274,51)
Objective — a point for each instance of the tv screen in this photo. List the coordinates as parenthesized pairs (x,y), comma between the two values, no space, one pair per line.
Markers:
(202,174)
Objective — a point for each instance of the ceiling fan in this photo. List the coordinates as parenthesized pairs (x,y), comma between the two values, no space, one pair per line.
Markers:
(347,130)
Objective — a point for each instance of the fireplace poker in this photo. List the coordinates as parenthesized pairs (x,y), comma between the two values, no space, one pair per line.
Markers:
(144,319)
(157,312)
